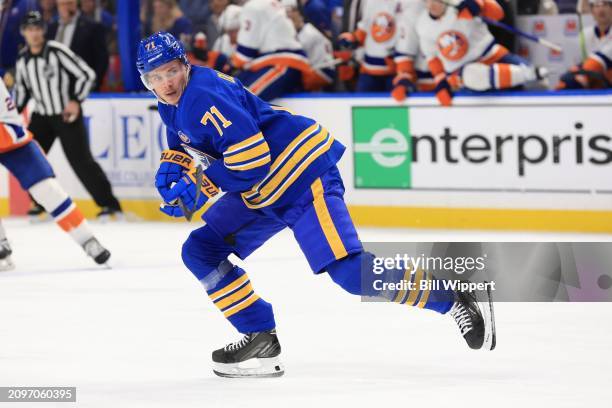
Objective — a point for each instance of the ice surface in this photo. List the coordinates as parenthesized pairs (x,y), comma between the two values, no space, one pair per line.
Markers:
(140,334)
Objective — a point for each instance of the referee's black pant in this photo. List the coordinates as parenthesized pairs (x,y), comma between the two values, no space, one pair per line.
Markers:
(75,142)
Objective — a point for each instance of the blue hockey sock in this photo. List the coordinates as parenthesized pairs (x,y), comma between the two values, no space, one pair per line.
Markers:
(235,297)
(228,286)
(354,274)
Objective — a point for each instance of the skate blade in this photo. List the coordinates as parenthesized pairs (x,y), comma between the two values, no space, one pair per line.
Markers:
(488,316)
(252,368)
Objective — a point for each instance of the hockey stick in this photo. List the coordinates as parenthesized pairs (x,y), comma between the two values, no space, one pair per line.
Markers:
(516,31)
(583,49)
(513,30)
(199,179)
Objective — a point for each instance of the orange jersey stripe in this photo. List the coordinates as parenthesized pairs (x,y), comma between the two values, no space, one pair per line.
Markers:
(271,60)
(266,79)
(498,52)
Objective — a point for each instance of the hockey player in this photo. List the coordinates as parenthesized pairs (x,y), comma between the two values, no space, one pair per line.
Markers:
(229,21)
(268,51)
(599,34)
(377,33)
(592,72)
(411,65)
(462,53)
(277,170)
(24,158)
(318,49)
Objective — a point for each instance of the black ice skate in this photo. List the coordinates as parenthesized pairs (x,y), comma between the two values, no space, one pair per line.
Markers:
(38,214)
(6,263)
(256,355)
(94,249)
(473,313)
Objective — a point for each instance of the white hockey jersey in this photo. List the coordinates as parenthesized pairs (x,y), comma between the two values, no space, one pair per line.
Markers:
(267,38)
(457,41)
(407,50)
(13,133)
(379,26)
(601,61)
(319,52)
(594,40)
(224,45)
(229,21)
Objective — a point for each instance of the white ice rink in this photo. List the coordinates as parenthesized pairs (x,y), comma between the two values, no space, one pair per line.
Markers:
(141,333)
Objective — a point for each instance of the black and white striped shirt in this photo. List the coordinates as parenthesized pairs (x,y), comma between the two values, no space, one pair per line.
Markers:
(52,78)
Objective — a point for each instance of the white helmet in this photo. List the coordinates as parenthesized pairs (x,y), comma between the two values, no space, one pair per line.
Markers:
(230,18)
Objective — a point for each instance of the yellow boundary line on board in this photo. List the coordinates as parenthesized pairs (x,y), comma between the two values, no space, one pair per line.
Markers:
(417,217)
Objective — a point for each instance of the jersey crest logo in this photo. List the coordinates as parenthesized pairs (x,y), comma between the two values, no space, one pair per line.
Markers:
(453,45)
(48,71)
(201,158)
(184,137)
(383,28)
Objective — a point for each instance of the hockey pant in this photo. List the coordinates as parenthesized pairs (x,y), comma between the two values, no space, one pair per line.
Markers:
(509,72)
(323,228)
(374,83)
(31,168)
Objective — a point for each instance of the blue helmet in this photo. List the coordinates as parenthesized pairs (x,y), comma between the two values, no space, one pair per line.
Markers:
(159,49)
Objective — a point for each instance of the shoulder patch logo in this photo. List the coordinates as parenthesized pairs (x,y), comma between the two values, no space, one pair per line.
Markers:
(184,137)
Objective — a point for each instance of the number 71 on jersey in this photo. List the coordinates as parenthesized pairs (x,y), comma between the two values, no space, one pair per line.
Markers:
(213,115)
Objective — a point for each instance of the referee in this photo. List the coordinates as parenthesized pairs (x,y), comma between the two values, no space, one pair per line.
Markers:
(59,81)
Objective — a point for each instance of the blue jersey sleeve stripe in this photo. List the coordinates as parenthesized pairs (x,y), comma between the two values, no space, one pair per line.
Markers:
(247,143)
(244,149)
(250,53)
(245,156)
(251,164)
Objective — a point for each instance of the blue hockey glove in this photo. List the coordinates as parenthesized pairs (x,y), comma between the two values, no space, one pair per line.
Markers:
(185,195)
(173,165)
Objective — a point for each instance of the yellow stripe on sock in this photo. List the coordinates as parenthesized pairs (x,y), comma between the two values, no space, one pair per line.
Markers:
(402,292)
(234,297)
(425,294)
(240,306)
(229,287)
(326,222)
(415,293)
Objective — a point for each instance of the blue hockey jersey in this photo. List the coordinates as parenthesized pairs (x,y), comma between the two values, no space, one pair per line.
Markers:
(265,152)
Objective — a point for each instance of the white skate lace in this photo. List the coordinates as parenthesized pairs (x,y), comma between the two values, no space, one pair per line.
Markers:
(238,344)
(462,317)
